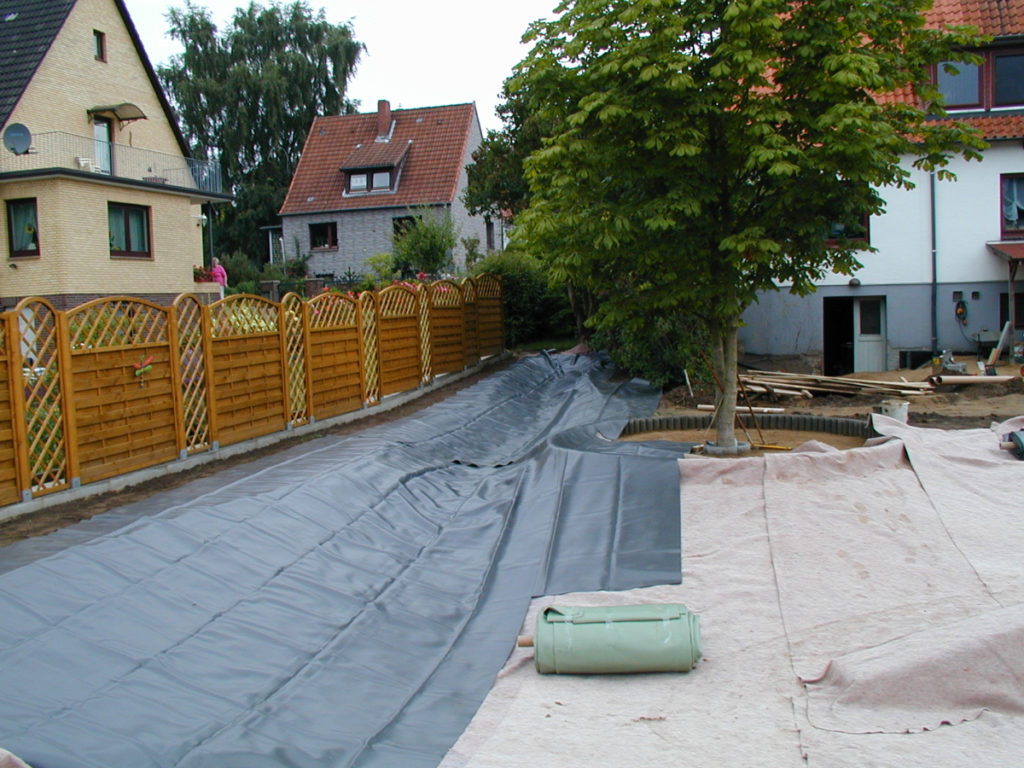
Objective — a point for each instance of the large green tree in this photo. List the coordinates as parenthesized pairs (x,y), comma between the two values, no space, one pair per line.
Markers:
(702,149)
(496,185)
(246,96)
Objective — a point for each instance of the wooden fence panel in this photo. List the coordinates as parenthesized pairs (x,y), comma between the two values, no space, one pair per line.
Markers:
(124,415)
(335,362)
(47,458)
(120,384)
(369,346)
(398,334)
(10,376)
(447,327)
(469,311)
(490,327)
(193,345)
(295,335)
(247,369)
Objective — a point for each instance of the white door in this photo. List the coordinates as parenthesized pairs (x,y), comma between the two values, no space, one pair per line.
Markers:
(869,334)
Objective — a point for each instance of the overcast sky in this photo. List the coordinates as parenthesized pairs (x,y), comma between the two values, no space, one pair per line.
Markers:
(419,54)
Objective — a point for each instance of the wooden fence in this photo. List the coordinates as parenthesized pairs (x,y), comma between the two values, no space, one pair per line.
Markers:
(120,384)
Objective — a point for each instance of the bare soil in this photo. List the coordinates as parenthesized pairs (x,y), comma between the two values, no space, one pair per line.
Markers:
(961,406)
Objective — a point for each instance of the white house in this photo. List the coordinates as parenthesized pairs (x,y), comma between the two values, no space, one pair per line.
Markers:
(947,252)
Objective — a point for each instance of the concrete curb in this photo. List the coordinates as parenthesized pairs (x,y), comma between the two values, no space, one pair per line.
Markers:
(831,425)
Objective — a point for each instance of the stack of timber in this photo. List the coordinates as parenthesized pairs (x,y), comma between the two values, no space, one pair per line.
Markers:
(782,384)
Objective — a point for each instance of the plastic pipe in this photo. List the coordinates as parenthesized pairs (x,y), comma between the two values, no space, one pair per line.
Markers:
(970,379)
(616,639)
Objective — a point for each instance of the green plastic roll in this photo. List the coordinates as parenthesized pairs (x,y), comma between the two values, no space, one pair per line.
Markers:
(617,639)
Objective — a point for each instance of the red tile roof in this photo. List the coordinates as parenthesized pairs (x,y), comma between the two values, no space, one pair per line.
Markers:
(991,17)
(436,139)
(995,127)
(998,18)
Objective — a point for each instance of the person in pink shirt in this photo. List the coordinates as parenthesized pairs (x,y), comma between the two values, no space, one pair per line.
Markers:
(219,275)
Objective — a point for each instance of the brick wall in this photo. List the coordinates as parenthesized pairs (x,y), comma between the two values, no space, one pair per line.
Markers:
(75,243)
(70,80)
(72,214)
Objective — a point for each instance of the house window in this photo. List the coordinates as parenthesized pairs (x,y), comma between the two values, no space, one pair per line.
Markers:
(400,225)
(489,227)
(99,44)
(959,83)
(323,235)
(1013,205)
(357,182)
(997,82)
(846,233)
(22,228)
(382,180)
(1009,77)
(129,230)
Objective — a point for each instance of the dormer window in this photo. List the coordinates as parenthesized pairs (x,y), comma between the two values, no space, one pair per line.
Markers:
(960,83)
(376,180)
(998,82)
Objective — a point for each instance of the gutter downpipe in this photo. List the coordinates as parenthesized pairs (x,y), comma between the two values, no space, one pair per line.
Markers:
(935,271)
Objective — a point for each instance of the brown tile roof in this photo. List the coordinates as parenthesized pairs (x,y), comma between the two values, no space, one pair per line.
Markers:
(377,154)
(991,17)
(995,127)
(998,18)
(435,137)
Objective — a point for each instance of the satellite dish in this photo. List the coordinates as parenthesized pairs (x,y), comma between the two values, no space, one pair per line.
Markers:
(17,139)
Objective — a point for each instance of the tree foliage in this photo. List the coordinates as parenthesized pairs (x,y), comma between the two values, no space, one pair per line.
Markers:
(701,149)
(425,245)
(246,96)
(496,184)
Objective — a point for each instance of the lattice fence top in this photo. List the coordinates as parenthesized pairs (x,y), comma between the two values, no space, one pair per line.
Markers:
(468,286)
(488,286)
(243,315)
(116,322)
(332,310)
(445,293)
(397,301)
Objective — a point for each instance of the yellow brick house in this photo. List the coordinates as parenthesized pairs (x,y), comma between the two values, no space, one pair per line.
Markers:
(100,196)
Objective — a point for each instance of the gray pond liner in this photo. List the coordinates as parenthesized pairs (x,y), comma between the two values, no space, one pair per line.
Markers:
(346,602)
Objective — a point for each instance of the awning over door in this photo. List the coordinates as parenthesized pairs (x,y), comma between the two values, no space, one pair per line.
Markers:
(124,113)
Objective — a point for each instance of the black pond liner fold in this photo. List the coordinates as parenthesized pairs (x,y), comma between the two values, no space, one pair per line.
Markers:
(346,602)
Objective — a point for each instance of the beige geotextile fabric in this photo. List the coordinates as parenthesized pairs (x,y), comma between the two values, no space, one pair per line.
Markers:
(858,608)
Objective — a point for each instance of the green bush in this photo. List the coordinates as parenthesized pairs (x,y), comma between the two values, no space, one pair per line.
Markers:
(425,245)
(533,308)
(654,346)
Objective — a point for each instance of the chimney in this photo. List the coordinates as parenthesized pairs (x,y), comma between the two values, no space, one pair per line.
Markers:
(383,120)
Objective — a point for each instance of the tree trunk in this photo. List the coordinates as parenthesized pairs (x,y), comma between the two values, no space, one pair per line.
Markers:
(724,359)
(582,302)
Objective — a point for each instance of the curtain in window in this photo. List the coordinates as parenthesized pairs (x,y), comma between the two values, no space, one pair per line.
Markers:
(24,229)
(1013,201)
(115,219)
(138,235)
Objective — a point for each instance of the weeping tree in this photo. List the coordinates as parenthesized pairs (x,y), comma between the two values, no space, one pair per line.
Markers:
(246,96)
(703,150)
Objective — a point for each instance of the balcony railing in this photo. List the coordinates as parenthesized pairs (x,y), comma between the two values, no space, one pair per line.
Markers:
(57,149)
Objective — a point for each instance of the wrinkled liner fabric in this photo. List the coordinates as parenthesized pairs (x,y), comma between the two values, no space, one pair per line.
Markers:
(346,603)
